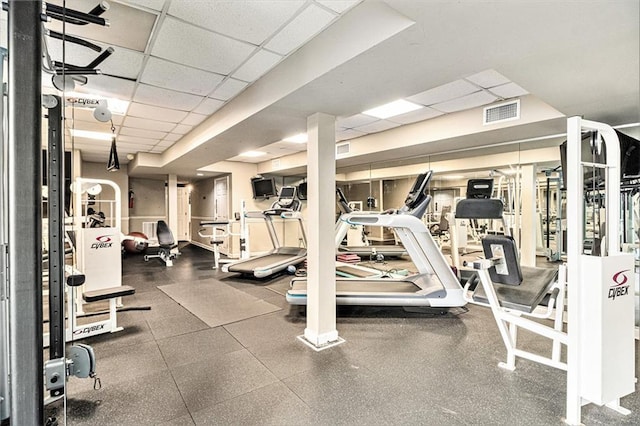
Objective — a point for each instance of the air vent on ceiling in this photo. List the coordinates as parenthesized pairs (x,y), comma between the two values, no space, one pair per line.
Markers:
(343,148)
(503,112)
(275,163)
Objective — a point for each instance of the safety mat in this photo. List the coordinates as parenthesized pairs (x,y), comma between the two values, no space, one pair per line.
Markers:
(216,303)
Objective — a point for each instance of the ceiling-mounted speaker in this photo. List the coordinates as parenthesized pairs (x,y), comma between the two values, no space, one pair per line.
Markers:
(64,83)
(102,113)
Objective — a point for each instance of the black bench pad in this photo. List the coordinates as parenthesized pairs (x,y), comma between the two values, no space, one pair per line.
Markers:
(108,293)
(528,295)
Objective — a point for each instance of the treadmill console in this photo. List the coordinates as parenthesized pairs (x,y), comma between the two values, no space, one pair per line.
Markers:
(287,201)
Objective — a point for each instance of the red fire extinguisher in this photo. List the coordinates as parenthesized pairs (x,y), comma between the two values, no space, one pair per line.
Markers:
(131,199)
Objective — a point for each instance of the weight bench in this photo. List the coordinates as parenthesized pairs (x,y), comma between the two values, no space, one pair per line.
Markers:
(166,243)
(512,291)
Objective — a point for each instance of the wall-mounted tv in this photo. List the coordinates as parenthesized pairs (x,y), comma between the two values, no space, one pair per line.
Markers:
(263,187)
(302,191)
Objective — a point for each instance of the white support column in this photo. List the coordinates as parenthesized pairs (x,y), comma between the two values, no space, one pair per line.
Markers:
(528,222)
(172,203)
(575,225)
(321,331)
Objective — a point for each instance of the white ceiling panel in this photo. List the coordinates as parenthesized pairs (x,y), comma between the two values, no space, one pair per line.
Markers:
(300,29)
(122,62)
(85,114)
(149,134)
(138,140)
(156,113)
(466,102)
(93,126)
(158,150)
(129,27)
(289,146)
(488,78)
(509,90)
(151,4)
(194,119)
(446,92)
(165,143)
(166,98)
(170,75)
(214,53)
(257,65)
(228,89)
(131,146)
(172,137)
(208,106)
(108,86)
(348,134)
(377,126)
(338,6)
(146,124)
(415,116)
(355,121)
(249,20)
(182,129)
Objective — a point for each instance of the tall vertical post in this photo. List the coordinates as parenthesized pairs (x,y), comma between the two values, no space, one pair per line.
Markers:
(321,329)
(4,281)
(172,203)
(25,212)
(528,215)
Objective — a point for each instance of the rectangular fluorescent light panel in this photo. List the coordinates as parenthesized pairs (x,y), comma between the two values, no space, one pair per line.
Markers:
(299,138)
(91,135)
(253,154)
(392,109)
(116,106)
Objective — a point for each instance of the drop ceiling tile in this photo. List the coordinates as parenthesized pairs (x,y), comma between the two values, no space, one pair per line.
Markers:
(466,102)
(338,6)
(156,113)
(172,137)
(158,150)
(165,144)
(257,65)
(248,20)
(355,121)
(166,98)
(122,62)
(194,119)
(129,27)
(76,114)
(151,4)
(93,126)
(377,126)
(170,75)
(182,129)
(150,134)
(108,86)
(228,89)
(137,140)
(415,116)
(443,93)
(509,90)
(488,78)
(304,26)
(348,134)
(215,52)
(208,106)
(146,124)
(131,146)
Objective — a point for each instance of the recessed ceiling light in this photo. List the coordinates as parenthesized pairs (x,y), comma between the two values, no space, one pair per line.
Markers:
(299,138)
(199,174)
(253,154)
(91,135)
(392,108)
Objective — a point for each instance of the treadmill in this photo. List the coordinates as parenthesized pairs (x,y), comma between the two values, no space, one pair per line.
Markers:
(367,251)
(287,206)
(435,284)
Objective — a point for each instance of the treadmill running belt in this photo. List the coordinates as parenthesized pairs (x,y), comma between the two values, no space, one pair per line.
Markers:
(259,262)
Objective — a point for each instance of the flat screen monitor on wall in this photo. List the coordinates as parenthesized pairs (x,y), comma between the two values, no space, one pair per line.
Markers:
(263,187)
